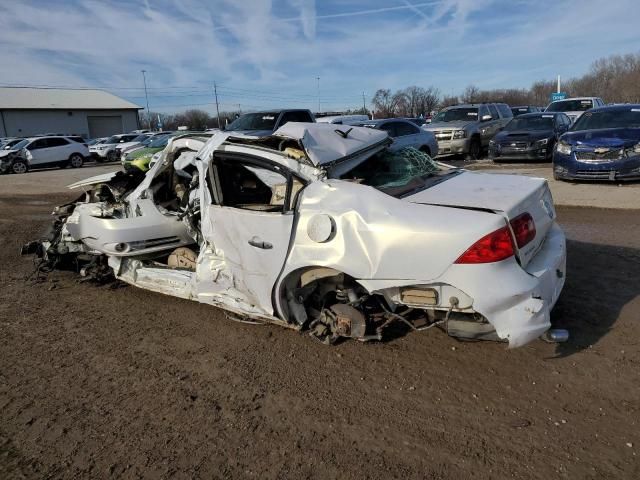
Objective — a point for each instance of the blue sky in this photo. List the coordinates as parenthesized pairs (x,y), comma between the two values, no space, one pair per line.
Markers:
(264,54)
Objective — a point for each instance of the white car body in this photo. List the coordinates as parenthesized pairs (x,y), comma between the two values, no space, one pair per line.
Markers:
(49,151)
(105,151)
(316,232)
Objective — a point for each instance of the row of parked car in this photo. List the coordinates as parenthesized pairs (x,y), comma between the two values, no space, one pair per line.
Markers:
(506,133)
(18,155)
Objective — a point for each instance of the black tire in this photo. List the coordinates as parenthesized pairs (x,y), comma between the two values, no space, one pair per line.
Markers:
(425,149)
(475,149)
(19,166)
(550,148)
(76,160)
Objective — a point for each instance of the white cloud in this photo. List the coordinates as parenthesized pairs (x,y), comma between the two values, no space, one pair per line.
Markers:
(353,45)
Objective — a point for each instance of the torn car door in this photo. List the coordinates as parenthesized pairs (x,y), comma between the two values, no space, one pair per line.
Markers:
(249,227)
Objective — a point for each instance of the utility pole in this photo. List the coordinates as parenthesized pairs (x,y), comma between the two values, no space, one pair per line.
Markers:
(318,78)
(364,104)
(215,91)
(558,83)
(144,79)
(239,109)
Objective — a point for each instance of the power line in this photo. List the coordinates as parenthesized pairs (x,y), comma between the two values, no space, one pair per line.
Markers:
(192,90)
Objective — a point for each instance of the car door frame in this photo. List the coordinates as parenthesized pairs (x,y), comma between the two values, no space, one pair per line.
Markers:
(41,158)
(60,153)
(216,211)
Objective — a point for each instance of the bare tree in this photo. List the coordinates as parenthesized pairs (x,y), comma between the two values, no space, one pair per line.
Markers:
(384,103)
(471,94)
(429,101)
(418,100)
(449,101)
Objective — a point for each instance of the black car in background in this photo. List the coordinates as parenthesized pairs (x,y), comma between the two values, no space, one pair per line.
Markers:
(525,109)
(531,136)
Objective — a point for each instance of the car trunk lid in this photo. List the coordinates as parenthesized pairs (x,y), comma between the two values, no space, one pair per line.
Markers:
(507,195)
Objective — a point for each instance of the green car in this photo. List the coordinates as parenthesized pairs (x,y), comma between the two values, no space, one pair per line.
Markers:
(138,160)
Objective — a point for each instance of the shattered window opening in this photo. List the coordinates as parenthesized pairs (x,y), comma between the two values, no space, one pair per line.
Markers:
(250,186)
(392,170)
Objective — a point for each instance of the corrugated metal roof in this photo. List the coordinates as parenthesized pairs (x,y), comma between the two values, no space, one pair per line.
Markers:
(61,98)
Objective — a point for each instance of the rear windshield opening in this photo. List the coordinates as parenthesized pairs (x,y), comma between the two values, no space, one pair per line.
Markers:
(570,106)
(397,173)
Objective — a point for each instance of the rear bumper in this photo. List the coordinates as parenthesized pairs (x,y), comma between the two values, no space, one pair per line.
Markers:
(516,301)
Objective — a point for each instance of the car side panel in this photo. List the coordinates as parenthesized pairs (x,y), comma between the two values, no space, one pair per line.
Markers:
(374,231)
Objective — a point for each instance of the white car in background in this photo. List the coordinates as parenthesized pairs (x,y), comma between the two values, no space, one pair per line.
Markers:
(40,152)
(321,228)
(575,107)
(106,151)
(139,142)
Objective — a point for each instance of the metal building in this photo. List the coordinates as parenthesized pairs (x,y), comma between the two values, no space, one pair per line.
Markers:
(90,113)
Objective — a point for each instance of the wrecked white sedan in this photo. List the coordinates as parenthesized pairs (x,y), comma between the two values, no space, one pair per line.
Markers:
(322,228)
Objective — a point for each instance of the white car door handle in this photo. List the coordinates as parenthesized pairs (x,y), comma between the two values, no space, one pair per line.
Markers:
(258,243)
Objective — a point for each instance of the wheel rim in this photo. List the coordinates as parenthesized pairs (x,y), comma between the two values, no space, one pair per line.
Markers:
(19,167)
(76,161)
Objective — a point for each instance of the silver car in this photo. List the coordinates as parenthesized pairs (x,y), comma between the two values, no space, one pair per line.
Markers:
(406,134)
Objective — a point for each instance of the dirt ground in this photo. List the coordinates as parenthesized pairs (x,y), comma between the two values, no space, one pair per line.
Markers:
(97,382)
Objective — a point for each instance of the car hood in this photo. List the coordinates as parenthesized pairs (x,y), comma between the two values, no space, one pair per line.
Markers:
(128,145)
(526,135)
(249,133)
(610,137)
(458,124)
(6,153)
(143,152)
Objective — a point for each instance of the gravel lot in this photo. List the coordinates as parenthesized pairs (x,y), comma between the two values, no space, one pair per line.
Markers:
(97,382)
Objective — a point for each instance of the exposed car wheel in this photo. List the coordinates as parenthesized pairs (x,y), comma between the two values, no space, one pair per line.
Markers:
(76,160)
(425,149)
(475,149)
(19,166)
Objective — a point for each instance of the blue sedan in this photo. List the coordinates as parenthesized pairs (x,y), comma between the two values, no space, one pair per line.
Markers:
(603,144)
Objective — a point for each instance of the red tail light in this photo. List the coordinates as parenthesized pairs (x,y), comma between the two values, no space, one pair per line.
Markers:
(524,229)
(494,247)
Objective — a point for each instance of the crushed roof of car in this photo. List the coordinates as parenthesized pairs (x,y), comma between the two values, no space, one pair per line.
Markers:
(325,143)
